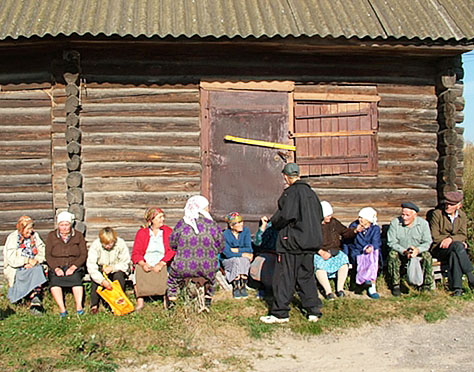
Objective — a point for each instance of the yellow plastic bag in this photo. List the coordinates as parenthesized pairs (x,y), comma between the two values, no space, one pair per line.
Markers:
(116,298)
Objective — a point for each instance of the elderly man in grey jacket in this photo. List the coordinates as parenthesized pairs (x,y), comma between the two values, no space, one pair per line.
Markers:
(408,237)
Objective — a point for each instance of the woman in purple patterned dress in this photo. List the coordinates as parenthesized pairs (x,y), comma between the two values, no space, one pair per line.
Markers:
(197,240)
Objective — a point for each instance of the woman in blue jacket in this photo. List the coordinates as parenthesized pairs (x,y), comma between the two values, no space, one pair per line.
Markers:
(237,254)
(366,243)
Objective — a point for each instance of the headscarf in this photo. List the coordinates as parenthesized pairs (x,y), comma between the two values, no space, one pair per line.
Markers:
(370,214)
(195,206)
(65,217)
(327,208)
(151,213)
(232,218)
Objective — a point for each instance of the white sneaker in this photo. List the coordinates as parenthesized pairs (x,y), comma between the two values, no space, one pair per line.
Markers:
(313,318)
(271,319)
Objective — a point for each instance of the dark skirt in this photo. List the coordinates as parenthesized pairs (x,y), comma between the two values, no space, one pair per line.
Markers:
(74,280)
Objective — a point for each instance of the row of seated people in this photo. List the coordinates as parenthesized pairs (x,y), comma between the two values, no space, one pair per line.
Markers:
(409,238)
(194,246)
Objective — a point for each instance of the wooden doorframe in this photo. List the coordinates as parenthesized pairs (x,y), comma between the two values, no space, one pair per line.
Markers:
(204,89)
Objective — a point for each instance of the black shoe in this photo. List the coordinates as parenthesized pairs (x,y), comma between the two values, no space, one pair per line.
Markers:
(207,302)
(331,296)
(340,294)
(396,292)
(457,292)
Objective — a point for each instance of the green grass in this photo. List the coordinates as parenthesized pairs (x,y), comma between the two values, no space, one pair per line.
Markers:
(104,342)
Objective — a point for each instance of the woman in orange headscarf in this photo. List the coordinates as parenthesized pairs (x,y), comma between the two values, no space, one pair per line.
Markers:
(23,254)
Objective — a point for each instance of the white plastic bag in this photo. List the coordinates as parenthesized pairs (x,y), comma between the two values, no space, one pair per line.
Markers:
(414,271)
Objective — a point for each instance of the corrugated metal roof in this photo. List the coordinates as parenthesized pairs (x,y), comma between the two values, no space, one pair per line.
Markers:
(422,19)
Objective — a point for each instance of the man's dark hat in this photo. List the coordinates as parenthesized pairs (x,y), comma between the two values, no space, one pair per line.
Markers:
(291,169)
(411,205)
(453,197)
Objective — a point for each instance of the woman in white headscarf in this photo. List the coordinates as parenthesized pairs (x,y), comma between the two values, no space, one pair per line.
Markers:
(331,262)
(66,255)
(366,243)
(197,240)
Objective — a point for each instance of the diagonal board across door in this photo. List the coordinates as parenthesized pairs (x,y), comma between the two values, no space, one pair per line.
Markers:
(242,177)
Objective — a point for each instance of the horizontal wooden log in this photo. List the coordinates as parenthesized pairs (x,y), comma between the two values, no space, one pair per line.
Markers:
(25,196)
(406,154)
(130,218)
(72,120)
(73,135)
(377,198)
(74,163)
(28,204)
(336,89)
(26,96)
(141,139)
(408,101)
(407,113)
(75,195)
(22,133)
(25,86)
(448,137)
(407,140)
(132,199)
(74,179)
(407,168)
(140,95)
(78,211)
(184,154)
(25,116)
(29,103)
(141,184)
(153,109)
(25,183)
(447,162)
(140,169)
(35,149)
(73,148)
(25,166)
(379,181)
(391,125)
(72,104)
(117,124)
(406,89)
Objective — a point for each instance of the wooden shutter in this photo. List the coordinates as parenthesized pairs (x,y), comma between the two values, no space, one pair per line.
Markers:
(336,138)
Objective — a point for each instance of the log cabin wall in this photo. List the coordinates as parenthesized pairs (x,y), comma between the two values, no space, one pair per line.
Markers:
(25,147)
(407,114)
(139,119)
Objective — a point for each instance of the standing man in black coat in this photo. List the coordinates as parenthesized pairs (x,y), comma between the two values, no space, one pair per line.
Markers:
(298,221)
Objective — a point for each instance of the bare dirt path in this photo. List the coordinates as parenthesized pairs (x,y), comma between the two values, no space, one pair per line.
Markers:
(413,346)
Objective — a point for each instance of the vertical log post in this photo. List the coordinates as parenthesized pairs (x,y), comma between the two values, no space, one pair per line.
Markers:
(448,92)
(75,192)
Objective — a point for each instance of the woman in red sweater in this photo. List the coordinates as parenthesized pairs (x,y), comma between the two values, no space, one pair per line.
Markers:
(151,249)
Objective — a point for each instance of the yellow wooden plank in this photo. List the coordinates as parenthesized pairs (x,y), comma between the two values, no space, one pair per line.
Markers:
(249,141)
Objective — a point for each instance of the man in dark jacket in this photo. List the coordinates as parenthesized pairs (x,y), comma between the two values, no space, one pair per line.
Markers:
(298,221)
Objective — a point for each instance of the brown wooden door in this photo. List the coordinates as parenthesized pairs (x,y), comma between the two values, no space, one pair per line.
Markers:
(245,178)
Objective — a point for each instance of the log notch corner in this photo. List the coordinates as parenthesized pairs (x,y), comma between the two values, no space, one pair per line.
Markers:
(449,90)
(74,179)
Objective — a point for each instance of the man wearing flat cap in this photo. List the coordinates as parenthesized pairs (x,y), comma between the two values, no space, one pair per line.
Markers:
(298,222)
(449,231)
(409,238)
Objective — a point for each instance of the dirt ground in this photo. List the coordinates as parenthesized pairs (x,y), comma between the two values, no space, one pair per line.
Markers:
(402,347)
